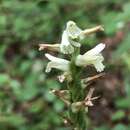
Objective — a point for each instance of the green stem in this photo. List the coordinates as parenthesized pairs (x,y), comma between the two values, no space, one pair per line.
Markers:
(77,94)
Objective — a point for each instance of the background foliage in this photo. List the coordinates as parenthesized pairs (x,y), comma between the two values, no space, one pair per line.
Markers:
(25,101)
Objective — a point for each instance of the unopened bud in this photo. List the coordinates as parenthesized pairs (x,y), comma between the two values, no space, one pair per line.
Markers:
(93,30)
(50,47)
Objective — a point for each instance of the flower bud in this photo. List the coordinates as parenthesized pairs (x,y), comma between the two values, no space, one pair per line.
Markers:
(93,30)
(50,47)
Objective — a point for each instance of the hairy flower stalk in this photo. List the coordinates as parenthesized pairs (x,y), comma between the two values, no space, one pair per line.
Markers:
(77,94)
(76,97)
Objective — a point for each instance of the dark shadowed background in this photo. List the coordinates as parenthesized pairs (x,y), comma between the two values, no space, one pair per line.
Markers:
(25,101)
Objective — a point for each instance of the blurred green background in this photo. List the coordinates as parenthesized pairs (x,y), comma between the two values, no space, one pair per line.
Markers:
(25,101)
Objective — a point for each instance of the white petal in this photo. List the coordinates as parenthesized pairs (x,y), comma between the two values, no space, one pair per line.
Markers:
(96,50)
(84,60)
(57,63)
(65,46)
(55,59)
(52,58)
(49,66)
(65,39)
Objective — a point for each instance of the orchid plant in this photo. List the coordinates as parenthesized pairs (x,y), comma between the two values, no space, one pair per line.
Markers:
(77,97)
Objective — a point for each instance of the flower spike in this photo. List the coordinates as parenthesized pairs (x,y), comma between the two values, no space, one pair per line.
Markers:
(74,94)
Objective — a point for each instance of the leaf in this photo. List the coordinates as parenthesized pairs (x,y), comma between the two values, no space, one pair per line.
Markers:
(123,103)
(118,115)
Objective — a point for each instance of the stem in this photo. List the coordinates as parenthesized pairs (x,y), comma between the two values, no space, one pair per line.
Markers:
(77,94)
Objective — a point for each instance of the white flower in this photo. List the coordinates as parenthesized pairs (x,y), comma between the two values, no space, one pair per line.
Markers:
(70,38)
(73,34)
(92,57)
(57,63)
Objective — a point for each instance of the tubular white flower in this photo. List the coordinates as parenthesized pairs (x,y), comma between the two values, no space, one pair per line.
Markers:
(57,63)
(70,36)
(92,57)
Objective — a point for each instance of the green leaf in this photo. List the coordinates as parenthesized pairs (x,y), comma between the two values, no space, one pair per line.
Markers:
(123,103)
(118,115)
